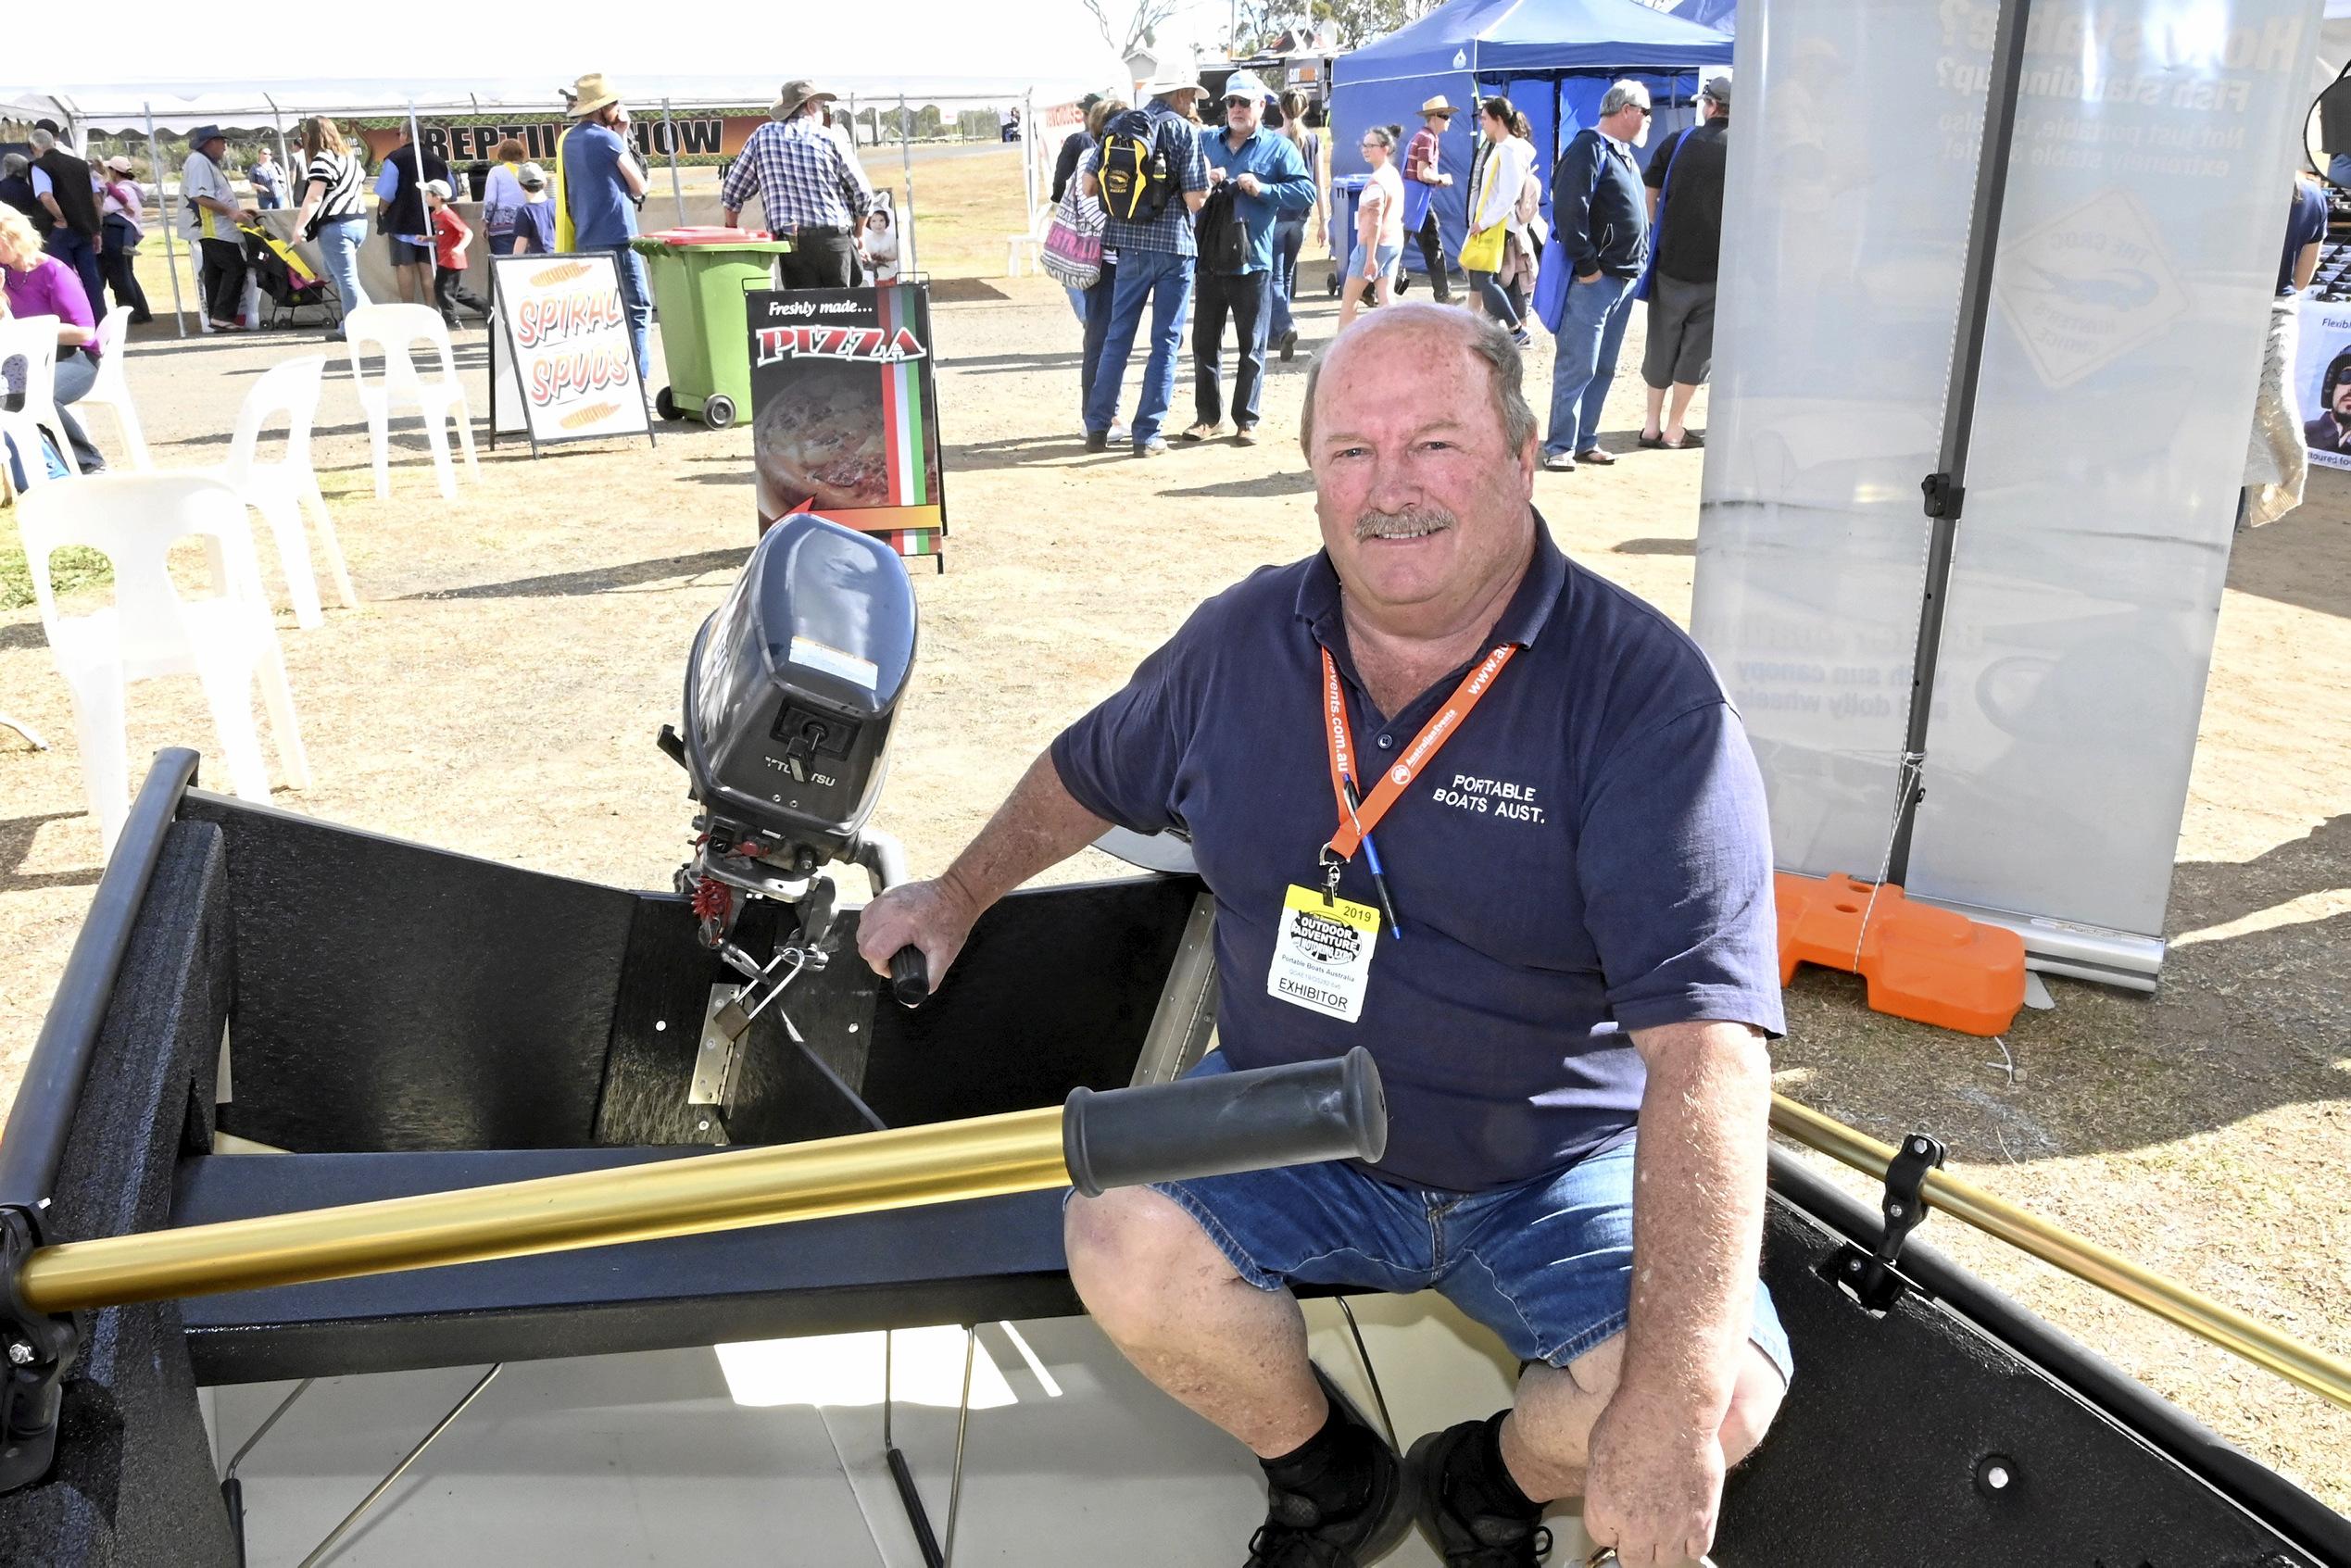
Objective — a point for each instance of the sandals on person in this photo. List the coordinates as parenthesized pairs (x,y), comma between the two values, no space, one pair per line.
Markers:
(1595,457)
(1689,440)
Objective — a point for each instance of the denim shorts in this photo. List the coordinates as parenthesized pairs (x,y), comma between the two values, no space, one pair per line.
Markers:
(409,253)
(1546,1264)
(1385,257)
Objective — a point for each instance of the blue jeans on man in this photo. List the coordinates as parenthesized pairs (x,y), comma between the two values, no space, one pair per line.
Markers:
(1163,281)
(1592,334)
(1094,306)
(638,301)
(76,250)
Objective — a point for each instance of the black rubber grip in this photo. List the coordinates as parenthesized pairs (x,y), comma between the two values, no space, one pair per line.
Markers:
(1213,1126)
(910,976)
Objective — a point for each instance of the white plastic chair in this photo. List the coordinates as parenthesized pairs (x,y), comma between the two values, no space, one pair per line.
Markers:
(1029,248)
(112,389)
(33,339)
(151,629)
(281,491)
(389,330)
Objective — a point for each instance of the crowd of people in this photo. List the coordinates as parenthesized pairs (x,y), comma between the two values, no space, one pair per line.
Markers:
(1206,221)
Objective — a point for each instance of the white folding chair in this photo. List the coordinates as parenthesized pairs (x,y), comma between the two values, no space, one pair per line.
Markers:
(283,490)
(29,441)
(152,629)
(389,330)
(33,339)
(112,389)
(1029,248)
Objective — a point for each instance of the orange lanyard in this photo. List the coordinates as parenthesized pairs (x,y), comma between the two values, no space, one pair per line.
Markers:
(1355,821)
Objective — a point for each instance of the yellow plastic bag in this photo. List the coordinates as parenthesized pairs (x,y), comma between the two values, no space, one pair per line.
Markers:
(1483,253)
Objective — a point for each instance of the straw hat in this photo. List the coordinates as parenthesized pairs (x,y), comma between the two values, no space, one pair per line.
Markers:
(590,93)
(796,93)
(1438,105)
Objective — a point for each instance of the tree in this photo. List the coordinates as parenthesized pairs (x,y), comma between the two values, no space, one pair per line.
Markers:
(1131,30)
(1360,21)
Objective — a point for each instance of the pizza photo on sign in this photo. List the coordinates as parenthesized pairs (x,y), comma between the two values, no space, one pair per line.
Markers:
(843,421)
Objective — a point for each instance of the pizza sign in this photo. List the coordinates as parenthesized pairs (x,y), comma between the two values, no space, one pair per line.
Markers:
(837,343)
(845,415)
(563,360)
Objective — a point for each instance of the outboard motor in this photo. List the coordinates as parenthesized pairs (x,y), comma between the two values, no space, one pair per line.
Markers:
(790,694)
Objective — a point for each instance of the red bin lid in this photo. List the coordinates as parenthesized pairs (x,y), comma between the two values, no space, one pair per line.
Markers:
(707,234)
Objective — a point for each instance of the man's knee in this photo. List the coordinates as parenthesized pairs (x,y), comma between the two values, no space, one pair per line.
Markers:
(1754,1401)
(1557,1406)
(1135,1255)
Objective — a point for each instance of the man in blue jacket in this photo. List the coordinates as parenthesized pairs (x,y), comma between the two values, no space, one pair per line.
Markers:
(1603,216)
(1267,177)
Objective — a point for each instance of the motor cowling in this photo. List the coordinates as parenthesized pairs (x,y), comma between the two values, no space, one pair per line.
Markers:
(790,694)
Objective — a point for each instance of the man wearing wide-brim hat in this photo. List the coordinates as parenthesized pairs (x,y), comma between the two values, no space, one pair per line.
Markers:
(597,186)
(1151,177)
(811,191)
(211,215)
(1424,175)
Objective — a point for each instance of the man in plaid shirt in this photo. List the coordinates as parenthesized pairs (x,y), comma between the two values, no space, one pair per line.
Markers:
(811,191)
(1425,167)
(1155,269)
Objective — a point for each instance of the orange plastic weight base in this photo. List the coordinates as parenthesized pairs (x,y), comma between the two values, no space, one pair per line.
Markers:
(1924,964)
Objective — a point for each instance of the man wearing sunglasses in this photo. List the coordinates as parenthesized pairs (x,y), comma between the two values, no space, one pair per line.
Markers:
(1268,178)
(1603,215)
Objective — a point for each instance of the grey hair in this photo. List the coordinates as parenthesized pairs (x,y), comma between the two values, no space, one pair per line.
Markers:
(1484,337)
(1620,93)
(13,165)
(41,141)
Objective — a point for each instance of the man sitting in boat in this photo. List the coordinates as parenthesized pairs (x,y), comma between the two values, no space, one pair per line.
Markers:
(1470,805)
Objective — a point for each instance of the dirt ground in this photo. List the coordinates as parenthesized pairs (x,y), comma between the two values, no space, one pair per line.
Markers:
(499,689)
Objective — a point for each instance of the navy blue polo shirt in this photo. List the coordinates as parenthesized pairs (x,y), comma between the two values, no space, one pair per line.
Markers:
(1588,855)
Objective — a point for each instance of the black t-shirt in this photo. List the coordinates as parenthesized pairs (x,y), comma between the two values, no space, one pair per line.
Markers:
(1689,237)
(407,213)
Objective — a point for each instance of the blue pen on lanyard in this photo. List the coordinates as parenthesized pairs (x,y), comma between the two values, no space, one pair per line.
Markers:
(1370,857)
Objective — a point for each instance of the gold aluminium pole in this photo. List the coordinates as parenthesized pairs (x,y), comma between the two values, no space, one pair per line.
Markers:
(2226,1327)
(982,1157)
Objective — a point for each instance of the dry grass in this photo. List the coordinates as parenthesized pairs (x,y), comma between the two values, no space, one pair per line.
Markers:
(499,691)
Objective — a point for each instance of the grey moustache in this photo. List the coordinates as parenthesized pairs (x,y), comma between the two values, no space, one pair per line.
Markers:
(1405,524)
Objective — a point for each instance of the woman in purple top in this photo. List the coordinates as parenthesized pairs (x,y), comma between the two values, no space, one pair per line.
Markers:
(40,285)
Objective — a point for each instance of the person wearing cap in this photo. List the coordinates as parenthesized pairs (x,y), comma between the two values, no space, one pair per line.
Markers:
(122,208)
(407,228)
(68,190)
(1268,178)
(1423,176)
(1604,224)
(810,192)
(597,183)
(1685,177)
(534,219)
(211,213)
(1155,257)
(451,234)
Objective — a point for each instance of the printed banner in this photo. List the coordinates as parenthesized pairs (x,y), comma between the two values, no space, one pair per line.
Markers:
(563,344)
(2322,380)
(476,140)
(845,421)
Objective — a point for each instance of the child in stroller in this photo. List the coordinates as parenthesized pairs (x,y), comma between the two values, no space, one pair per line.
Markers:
(290,286)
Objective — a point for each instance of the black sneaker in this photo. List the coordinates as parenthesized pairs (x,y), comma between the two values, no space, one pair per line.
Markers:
(1296,1535)
(1482,1540)
(1098,441)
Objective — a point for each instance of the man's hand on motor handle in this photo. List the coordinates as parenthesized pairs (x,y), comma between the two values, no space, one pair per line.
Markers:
(928,915)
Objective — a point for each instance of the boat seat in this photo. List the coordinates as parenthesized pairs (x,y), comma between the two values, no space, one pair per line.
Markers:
(973,1261)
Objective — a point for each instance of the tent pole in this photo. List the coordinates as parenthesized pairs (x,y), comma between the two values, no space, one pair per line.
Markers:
(669,129)
(277,123)
(906,161)
(416,169)
(1028,146)
(853,120)
(163,202)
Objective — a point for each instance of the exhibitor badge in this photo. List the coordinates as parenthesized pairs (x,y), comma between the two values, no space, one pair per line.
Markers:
(1322,954)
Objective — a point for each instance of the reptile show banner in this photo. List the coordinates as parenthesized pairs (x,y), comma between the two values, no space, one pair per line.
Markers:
(845,421)
(562,364)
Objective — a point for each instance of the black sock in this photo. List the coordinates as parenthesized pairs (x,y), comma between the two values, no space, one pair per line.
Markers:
(1481,1483)
(1333,1470)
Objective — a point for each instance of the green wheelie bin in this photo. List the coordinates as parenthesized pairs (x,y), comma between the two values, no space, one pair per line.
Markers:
(698,278)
